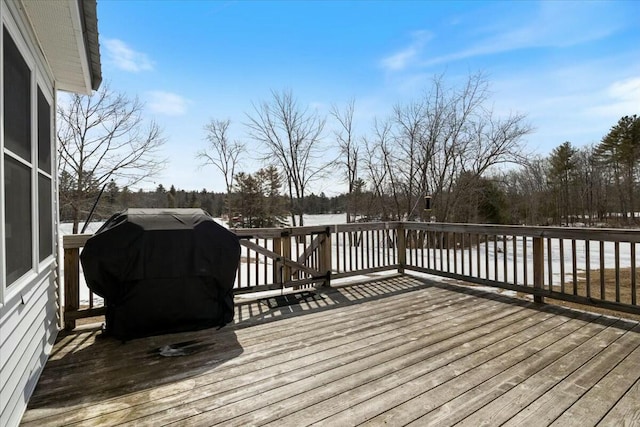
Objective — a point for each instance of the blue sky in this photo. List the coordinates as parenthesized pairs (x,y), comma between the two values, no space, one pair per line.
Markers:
(572,67)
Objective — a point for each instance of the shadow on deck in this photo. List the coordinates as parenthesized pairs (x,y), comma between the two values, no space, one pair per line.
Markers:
(398,349)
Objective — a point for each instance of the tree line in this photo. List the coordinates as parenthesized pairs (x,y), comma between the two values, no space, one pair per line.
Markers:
(592,184)
(251,205)
(447,143)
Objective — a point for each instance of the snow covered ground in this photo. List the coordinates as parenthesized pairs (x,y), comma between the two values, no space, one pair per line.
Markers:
(556,256)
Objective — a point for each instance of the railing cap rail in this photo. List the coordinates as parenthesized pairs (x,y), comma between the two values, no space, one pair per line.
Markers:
(579,233)
(71,241)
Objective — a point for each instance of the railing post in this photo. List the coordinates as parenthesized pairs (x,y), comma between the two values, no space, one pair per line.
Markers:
(326,256)
(402,247)
(538,267)
(71,285)
(277,271)
(286,253)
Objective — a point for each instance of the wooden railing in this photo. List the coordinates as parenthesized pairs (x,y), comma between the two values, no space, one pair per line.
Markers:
(71,308)
(585,266)
(596,267)
(298,256)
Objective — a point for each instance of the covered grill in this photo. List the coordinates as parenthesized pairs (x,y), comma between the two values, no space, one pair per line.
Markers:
(162,271)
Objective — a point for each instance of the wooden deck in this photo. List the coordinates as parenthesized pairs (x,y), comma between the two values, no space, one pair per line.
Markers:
(399,350)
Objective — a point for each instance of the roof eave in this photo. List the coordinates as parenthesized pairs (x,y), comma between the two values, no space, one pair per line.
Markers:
(67,33)
(89,16)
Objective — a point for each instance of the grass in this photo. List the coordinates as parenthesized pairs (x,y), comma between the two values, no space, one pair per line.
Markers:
(609,294)
(581,286)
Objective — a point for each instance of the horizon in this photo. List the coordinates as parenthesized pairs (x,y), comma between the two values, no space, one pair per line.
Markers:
(573,68)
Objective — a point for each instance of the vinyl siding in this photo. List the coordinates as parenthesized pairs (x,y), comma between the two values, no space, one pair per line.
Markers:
(29,330)
(28,309)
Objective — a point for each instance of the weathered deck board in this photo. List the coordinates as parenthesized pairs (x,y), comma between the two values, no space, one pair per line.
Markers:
(398,350)
(393,374)
(454,378)
(591,408)
(307,389)
(557,400)
(626,409)
(509,405)
(474,399)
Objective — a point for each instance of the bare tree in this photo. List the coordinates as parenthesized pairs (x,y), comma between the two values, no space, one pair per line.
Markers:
(349,153)
(528,192)
(377,161)
(103,137)
(222,153)
(415,152)
(293,137)
(446,133)
(590,189)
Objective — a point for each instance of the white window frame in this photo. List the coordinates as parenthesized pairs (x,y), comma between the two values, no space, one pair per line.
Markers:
(3,269)
(40,78)
(48,95)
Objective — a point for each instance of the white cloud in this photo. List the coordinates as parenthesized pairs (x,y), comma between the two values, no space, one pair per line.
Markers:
(167,103)
(125,58)
(400,60)
(577,103)
(622,98)
(405,57)
(554,25)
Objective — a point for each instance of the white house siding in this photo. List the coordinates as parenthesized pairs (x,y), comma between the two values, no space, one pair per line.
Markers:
(28,307)
(29,327)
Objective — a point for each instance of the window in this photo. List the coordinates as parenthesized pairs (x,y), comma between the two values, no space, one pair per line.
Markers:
(18,239)
(44,133)
(45,216)
(17,168)
(17,100)
(27,162)
(45,219)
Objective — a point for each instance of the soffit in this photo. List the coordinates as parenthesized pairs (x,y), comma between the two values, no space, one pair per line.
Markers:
(68,35)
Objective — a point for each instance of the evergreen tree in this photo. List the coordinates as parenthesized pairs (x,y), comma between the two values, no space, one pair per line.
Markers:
(257,199)
(620,150)
(275,208)
(561,176)
(249,201)
(171,197)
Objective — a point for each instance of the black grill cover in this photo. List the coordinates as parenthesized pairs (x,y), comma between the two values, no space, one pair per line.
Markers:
(162,271)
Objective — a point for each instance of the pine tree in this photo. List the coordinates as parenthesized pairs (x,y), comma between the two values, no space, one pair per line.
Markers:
(620,150)
(561,175)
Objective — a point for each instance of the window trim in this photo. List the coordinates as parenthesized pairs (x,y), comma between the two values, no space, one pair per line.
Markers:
(42,87)
(3,272)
